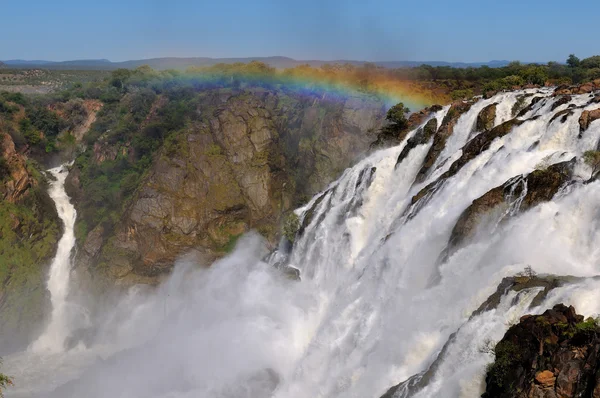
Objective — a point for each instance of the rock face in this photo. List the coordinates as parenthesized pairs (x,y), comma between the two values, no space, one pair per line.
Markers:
(556,354)
(29,232)
(486,118)
(16,179)
(538,186)
(257,155)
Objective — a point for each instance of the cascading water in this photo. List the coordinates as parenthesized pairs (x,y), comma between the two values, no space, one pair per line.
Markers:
(377,304)
(58,282)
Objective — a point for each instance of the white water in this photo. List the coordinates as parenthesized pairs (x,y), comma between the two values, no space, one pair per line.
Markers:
(60,268)
(374,307)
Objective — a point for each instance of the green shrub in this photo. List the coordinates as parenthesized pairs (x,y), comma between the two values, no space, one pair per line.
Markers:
(291,226)
(213,150)
(506,355)
(589,326)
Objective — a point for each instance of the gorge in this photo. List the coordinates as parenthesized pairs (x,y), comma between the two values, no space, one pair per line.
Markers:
(405,254)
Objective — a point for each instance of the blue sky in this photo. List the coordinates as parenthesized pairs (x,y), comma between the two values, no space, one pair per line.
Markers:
(445,30)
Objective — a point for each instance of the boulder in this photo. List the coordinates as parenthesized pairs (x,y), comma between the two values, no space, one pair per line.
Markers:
(588,117)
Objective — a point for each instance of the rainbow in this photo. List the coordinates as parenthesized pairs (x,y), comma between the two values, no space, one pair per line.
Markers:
(331,83)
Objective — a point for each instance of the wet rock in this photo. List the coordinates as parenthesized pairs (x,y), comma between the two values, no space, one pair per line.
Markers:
(524,282)
(588,117)
(562,115)
(562,100)
(473,148)
(541,186)
(421,137)
(528,108)
(486,118)
(457,109)
(556,354)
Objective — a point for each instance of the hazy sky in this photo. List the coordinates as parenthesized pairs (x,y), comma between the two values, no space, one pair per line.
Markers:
(446,30)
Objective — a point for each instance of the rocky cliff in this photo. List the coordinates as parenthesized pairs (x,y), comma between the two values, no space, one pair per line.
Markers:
(250,157)
(29,231)
(556,354)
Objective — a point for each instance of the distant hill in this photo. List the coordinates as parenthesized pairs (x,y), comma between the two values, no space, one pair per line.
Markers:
(183,63)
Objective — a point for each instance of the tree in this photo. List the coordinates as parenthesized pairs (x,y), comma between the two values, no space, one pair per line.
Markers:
(591,62)
(119,76)
(573,61)
(397,116)
(592,159)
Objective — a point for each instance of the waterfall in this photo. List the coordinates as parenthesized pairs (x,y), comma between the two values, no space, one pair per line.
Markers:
(382,300)
(58,281)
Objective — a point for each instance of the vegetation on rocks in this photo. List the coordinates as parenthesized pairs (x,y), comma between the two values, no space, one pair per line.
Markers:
(291,226)
(592,158)
(550,355)
(5,381)
(175,161)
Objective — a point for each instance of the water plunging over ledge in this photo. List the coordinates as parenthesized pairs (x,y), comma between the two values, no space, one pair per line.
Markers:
(58,282)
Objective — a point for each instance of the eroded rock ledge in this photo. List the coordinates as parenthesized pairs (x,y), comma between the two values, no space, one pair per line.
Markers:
(556,354)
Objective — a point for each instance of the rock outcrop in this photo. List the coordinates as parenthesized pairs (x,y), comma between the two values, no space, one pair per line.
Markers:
(473,148)
(29,232)
(584,88)
(556,354)
(486,118)
(254,156)
(522,193)
(457,109)
(387,138)
(15,180)
(588,117)
(421,137)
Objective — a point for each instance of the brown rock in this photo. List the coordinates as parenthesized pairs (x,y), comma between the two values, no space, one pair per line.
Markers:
(94,240)
(588,117)
(545,378)
(252,157)
(486,118)
(17,185)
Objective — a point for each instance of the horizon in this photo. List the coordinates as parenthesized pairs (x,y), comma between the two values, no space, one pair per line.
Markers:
(98,59)
(313,30)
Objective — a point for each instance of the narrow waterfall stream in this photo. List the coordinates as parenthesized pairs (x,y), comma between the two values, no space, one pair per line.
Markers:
(58,282)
